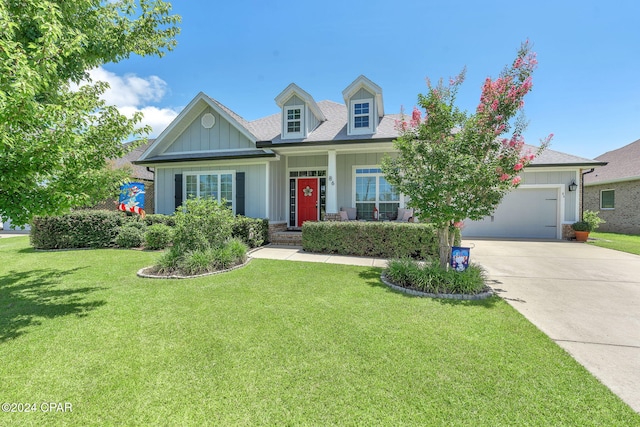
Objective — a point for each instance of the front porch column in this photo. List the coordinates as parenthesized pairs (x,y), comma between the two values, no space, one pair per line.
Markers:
(332,189)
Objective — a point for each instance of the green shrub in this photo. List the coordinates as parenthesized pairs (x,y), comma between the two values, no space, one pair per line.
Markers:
(202,224)
(253,232)
(129,237)
(153,219)
(429,277)
(198,262)
(81,229)
(135,222)
(376,239)
(157,236)
(238,250)
(168,262)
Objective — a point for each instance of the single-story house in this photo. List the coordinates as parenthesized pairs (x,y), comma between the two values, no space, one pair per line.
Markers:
(614,190)
(313,159)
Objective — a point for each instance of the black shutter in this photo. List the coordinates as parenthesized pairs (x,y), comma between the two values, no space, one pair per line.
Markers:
(178,190)
(239,193)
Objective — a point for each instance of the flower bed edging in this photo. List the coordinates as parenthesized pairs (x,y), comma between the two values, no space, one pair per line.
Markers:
(141,272)
(468,297)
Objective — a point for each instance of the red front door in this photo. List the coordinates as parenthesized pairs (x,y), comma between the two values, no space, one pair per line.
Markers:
(307,200)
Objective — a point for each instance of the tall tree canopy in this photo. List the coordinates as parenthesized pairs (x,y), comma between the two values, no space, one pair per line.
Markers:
(456,165)
(56,136)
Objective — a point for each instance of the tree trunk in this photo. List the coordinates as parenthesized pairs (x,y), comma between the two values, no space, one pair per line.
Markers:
(445,247)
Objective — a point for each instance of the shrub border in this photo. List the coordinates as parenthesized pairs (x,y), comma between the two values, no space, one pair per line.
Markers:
(141,272)
(467,297)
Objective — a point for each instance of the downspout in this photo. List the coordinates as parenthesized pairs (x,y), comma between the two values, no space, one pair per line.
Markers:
(155,208)
(582,190)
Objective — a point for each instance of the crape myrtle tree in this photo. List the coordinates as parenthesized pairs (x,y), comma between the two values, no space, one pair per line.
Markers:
(454,165)
(56,135)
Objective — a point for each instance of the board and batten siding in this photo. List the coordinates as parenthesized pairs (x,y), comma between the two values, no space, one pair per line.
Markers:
(278,191)
(222,136)
(531,177)
(255,194)
(308,162)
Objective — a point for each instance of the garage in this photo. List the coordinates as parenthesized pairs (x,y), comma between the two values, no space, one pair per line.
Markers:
(523,213)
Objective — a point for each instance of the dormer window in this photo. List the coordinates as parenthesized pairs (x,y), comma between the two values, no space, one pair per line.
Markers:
(294,121)
(300,113)
(364,101)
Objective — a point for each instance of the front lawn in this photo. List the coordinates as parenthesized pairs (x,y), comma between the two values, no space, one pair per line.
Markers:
(273,343)
(620,242)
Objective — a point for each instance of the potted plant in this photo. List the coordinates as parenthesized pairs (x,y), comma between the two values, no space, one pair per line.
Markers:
(590,221)
(581,229)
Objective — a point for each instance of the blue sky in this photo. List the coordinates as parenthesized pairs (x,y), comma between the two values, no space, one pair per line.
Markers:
(244,53)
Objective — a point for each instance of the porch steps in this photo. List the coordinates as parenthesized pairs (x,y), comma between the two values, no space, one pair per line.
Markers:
(286,238)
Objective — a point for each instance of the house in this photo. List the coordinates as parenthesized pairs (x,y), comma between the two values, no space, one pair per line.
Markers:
(312,159)
(139,173)
(614,190)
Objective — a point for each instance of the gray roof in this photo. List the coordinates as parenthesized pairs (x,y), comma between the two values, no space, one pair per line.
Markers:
(138,172)
(623,165)
(332,130)
(556,158)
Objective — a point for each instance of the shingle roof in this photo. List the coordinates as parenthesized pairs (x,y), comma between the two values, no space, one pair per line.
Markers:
(138,171)
(623,164)
(551,157)
(333,129)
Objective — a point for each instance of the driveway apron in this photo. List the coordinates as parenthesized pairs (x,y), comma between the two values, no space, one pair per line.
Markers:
(585,298)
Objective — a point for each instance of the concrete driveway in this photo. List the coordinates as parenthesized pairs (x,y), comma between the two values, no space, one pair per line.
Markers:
(585,298)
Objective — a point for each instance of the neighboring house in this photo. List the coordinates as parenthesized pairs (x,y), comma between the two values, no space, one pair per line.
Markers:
(138,173)
(614,190)
(312,159)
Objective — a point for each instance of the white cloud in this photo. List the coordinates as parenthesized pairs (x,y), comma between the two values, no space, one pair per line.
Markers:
(131,93)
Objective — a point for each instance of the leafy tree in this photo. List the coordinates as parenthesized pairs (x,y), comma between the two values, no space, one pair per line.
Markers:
(456,165)
(55,137)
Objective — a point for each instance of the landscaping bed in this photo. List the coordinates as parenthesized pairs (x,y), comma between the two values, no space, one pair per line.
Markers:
(274,343)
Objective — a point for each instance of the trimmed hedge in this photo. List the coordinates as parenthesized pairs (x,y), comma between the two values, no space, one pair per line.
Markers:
(100,228)
(253,232)
(81,229)
(373,239)
(153,219)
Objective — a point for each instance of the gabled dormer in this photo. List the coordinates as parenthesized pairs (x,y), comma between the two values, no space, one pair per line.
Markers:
(363,99)
(300,113)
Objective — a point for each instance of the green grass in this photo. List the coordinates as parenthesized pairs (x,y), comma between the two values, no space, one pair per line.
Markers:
(620,242)
(274,343)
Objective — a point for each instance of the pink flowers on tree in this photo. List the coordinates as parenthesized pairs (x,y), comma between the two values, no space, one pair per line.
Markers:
(455,165)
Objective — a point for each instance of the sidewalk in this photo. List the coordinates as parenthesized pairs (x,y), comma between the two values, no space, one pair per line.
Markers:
(295,253)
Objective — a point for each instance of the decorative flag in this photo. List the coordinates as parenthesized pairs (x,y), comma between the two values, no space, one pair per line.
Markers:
(132,198)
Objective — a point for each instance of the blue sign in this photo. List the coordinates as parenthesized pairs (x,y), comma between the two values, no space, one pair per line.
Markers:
(460,258)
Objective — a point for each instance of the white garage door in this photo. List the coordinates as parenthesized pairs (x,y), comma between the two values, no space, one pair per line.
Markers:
(524,212)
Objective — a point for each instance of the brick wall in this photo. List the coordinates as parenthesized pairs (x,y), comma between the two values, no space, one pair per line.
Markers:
(625,217)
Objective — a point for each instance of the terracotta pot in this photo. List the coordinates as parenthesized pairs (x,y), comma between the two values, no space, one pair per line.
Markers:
(582,236)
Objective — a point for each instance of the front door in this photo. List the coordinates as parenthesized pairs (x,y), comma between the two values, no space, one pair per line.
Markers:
(307,200)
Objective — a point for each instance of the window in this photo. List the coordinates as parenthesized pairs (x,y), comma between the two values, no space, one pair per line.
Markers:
(216,185)
(607,199)
(361,116)
(294,121)
(373,190)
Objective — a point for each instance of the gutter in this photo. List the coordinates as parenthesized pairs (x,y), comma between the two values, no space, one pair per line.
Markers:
(582,190)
